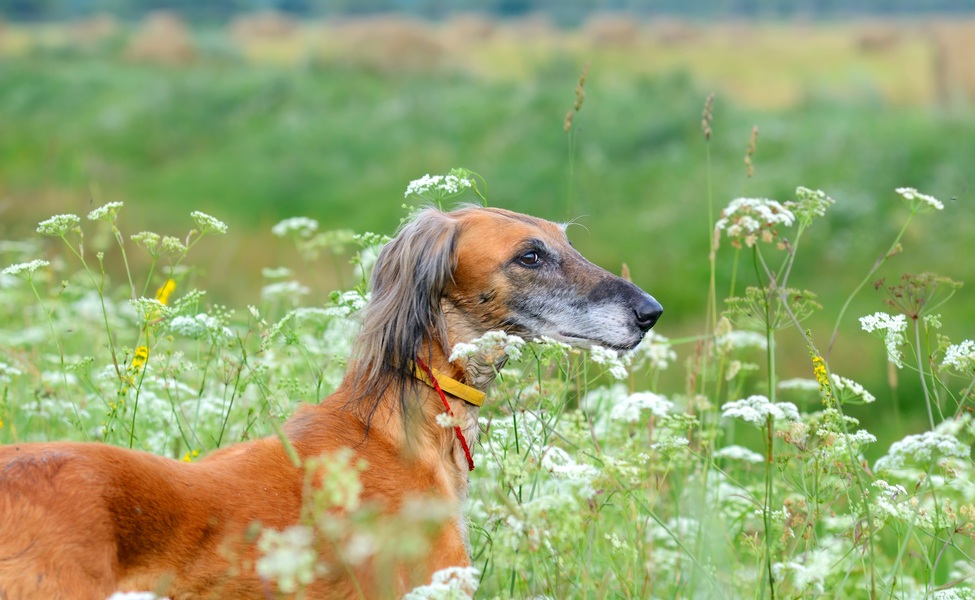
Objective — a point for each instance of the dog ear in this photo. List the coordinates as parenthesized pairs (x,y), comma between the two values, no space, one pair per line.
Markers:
(408,280)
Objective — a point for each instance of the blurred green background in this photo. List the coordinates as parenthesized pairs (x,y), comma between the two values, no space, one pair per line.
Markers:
(254,112)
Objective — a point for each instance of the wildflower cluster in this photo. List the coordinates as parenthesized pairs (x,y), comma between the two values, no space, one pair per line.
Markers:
(208,224)
(440,189)
(27,268)
(58,225)
(960,357)
(106,212)
(757,410)
(436,186)
(921,449)
(919,202)
(892,330)
(749,220)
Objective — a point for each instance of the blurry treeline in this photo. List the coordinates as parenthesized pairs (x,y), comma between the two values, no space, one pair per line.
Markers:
(562,12)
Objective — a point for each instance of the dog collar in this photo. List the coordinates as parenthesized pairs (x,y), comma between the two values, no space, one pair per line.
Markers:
(451,386)
(430,378)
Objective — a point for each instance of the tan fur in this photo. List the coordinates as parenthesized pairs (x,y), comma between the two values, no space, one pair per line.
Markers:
(83,520)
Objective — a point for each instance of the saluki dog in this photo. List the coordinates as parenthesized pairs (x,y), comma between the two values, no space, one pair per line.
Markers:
(84,520)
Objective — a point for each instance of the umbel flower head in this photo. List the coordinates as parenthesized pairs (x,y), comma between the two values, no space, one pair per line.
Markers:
(891,328)
(107,212)
(27,268)
(919,202)
(58,225)
(440,188)
(757,409)
(749,220)
(960,357)
(208,224)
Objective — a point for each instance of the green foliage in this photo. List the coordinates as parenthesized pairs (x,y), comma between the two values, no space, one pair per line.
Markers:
(586,487)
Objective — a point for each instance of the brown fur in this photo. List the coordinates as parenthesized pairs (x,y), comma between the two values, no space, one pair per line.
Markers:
(83,520)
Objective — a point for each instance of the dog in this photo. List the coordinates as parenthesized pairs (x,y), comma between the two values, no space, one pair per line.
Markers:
(84,520)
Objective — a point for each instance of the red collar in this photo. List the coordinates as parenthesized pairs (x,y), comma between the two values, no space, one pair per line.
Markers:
(433,380)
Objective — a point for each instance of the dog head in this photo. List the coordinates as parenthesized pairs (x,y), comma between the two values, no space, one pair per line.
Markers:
(521,275)
(451,277)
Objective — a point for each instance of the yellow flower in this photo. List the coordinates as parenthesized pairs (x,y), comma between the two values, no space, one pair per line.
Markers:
(819,371)
(164,292)
(140,357)
(190,455)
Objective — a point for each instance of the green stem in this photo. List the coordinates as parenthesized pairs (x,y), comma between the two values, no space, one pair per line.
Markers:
(920,371)
(125,259)
(876,265)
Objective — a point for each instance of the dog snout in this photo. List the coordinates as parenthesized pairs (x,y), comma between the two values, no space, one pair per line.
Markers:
(647,311)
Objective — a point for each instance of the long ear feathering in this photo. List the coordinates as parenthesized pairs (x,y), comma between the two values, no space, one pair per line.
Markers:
(408,281)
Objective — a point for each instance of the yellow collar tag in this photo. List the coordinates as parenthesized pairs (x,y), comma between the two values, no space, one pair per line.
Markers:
(451,386)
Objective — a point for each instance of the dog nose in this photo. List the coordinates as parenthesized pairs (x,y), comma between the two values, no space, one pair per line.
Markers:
(647,313)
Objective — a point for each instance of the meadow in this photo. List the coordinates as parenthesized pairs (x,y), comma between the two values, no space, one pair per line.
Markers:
(739,452)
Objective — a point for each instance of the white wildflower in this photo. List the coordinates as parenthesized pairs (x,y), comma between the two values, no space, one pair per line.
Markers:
(890,490)
(150,309)
(173,245)
(492,347)
(287,557)
(750,219)
(199,327)
(148,240)
(580,476)
(740,339)
(960,356)
(284,290)
(28,267)
(810,574)
(670,444)
(809,204)
(612,359)
(892,329)
(462,350)
(917,201)
(106,212)
(838,445)
(799,383)
(437,185)
(628,409)
(847,390)
(299,226)
(7,372)
(452,583)
(58,225)
(955,593)
(881,321)
(449,421)
(615,541)
(208,224)
(757,409)
(922,448)
(347,303)
(739,453)
(548,345)
(654,350)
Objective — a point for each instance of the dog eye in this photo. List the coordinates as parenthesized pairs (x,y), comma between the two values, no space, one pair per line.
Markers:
(530,259)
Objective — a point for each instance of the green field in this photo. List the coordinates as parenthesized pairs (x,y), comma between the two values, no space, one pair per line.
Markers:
(253,133)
